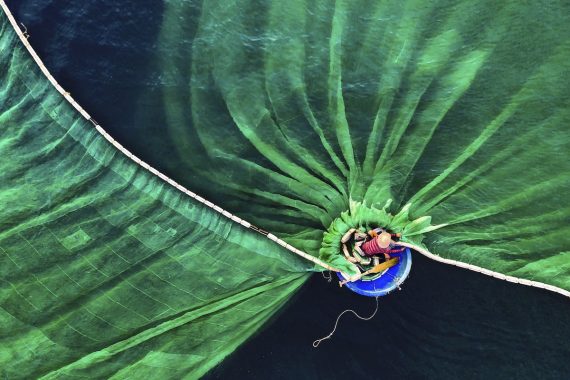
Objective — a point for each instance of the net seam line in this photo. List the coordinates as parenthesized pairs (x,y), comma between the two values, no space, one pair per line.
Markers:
(163,177)
(236,219)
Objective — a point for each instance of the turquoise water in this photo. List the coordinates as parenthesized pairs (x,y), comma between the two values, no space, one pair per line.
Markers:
(445,322)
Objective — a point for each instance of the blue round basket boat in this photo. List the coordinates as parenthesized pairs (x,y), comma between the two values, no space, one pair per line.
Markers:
(383,283)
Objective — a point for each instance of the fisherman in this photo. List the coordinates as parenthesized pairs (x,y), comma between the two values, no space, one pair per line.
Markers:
(367,250)
(381,244)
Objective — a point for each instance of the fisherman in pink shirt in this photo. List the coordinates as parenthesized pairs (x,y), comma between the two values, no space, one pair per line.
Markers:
(381,243)
(367,251)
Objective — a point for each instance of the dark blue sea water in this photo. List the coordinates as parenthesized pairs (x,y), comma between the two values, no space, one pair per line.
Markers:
(446,323)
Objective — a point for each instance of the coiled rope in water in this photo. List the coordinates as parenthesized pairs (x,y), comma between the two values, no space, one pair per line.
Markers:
(318,341)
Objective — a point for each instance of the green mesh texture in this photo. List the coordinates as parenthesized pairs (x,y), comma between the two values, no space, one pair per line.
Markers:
(107,272)
(293,109)
(282,112)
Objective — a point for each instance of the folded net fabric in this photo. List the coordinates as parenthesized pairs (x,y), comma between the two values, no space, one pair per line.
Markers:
(287,114)
(288,111)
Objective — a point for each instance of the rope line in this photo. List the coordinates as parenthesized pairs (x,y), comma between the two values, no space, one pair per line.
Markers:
(485,271)
(23,35)
(318,341)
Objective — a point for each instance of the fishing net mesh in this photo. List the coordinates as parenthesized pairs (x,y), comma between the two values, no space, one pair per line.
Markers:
(286,114)
(105,268)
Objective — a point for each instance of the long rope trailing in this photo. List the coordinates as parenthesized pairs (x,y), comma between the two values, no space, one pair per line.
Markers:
(318,341)
(24,35)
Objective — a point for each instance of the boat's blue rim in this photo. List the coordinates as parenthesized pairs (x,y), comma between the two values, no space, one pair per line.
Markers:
(391,279)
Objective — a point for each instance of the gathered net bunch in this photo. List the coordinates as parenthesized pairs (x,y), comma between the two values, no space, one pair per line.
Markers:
(286,114)
(288,111)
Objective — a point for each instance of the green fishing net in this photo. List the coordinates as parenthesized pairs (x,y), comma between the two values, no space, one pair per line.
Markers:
(462,109)
(106,270)
(448,119)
